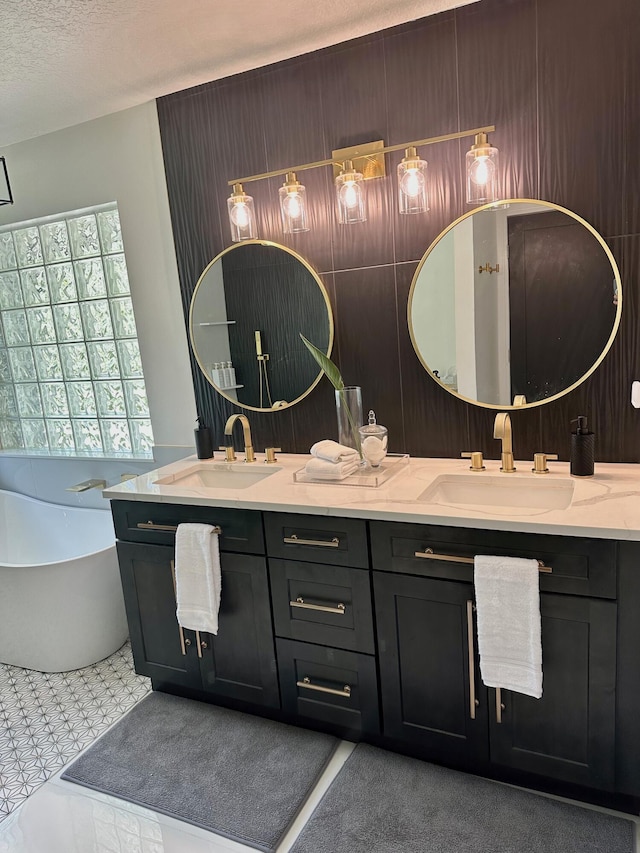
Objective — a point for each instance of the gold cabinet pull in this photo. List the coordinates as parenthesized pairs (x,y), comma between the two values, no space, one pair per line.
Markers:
(324,608)
(473,702)
(321,543)
(306,682)
(183,642)
(428,554)
(500,706)
(151,525)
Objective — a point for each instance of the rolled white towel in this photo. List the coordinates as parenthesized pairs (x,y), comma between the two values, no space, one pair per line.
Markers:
(321,469)
(332,451)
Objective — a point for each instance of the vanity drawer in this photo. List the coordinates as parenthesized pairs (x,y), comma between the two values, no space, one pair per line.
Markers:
(336,688)
(328,605)
(241,529)
(317,539)
(580,566)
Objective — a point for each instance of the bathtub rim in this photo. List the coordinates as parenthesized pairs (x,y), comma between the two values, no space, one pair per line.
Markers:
(79,509)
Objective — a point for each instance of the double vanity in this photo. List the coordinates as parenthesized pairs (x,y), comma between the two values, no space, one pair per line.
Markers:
(350,609)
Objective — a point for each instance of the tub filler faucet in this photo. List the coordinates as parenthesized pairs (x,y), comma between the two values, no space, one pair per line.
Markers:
(87,484)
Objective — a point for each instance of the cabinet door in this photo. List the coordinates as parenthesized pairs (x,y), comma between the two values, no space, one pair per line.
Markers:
(569,733)
(161,650)
(240,662)
(428,679)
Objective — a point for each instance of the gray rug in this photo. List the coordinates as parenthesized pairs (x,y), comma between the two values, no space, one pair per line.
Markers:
(235,774)
(387,803)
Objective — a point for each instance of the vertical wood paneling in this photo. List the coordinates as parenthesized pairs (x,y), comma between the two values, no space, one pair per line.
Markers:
(496,44)
(367,336)
(581,103)
(561,81)
(354,107)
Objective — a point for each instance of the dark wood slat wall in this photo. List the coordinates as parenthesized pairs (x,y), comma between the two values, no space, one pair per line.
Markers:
(560,79)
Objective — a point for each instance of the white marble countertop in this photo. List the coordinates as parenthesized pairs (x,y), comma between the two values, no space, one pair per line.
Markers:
(605,506)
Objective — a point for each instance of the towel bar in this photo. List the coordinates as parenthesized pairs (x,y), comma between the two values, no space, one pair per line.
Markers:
(428,554)
(151,525)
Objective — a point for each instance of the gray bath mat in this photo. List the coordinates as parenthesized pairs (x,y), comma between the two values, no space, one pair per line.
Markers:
(235,774)
(387,803)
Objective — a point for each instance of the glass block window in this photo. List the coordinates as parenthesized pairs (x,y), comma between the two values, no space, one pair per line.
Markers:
(70,371)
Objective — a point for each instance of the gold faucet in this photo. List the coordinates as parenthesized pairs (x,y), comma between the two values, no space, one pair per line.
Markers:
(502,430)
(246,431)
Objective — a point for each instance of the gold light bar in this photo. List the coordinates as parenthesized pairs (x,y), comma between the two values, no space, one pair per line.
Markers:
(432,140)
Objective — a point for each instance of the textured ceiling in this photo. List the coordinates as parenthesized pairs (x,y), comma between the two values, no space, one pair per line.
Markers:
(67,61)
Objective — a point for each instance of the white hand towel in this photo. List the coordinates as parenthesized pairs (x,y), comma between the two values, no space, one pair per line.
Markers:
(508,617)
(321,469)
(332,451)
(198,577)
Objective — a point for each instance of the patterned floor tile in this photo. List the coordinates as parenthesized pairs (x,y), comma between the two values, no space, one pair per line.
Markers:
(47,718)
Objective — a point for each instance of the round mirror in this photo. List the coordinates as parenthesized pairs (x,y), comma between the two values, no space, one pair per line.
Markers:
(514,304)
(247,310)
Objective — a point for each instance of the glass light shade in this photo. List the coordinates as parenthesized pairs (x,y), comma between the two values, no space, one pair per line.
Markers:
(350,195)
(241,215)
(412,183)
(482,172)
(293,205)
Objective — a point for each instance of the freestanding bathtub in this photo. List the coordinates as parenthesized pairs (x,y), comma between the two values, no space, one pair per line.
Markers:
(61,604)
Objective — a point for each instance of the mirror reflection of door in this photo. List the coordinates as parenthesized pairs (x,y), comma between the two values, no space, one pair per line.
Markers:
(558,274)
(518,299)
(248,310)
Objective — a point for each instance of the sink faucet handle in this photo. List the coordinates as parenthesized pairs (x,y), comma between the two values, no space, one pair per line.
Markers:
(477,462)
(229,453)
(540,462)
(270,453)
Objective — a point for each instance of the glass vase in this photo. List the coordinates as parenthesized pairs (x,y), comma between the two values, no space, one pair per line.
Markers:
(349,412)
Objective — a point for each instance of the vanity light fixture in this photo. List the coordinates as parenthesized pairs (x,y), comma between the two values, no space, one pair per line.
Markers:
(482,171)
(412,183)
(364,162)
(293,205)
(350,195)
(241,215)
(6,196)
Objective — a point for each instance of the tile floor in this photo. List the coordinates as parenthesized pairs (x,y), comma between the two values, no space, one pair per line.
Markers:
(46,719)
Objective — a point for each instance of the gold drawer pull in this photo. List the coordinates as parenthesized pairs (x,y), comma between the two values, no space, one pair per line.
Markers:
(428,554)
(151,525)
(321,543)
(325,608)
(306,682)
(473,702)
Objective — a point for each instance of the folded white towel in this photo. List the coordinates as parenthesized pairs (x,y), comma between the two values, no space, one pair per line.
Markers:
(332,451)
(198,577)
(508,617)
(321,469)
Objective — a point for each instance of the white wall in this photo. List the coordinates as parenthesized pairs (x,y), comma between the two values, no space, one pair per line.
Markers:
(119,158)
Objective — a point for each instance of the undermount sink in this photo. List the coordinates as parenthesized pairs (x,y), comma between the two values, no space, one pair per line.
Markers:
(503,491)
(219,475)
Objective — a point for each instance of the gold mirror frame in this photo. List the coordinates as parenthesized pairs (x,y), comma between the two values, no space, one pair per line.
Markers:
(594,366)
(325,296)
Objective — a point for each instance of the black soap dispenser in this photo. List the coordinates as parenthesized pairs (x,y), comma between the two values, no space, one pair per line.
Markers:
(582,447)
(204,440)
